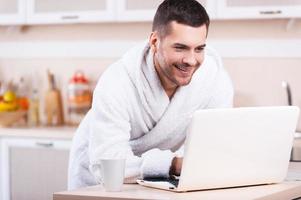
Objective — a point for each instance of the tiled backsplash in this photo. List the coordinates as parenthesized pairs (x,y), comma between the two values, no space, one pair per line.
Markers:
(257,82)
(35,73)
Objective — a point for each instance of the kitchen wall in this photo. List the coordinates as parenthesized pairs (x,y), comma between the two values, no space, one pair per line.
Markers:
(257,79)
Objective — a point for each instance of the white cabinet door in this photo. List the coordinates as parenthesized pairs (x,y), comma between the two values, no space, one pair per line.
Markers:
(137,10)
(69,11)
(12,12)
(244,9)
(33,169)
(211,7)
(1,164)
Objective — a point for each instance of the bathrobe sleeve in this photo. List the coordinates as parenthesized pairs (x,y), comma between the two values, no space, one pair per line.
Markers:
(110,128)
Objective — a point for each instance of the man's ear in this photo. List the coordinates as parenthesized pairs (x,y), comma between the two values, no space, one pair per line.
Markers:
(153,41)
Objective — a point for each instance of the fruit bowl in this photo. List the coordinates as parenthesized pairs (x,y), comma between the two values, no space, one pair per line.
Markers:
(9,118)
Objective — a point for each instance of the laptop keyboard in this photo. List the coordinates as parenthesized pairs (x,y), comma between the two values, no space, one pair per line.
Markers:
(172,181)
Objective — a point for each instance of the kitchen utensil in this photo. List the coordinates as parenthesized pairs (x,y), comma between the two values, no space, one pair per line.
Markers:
(53,103)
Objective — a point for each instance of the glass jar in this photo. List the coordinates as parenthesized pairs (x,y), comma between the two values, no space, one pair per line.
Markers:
(79,97)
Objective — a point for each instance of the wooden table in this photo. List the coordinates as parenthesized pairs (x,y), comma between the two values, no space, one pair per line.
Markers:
(285,190)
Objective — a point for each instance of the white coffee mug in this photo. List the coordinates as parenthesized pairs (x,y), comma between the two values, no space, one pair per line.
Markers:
(112,173)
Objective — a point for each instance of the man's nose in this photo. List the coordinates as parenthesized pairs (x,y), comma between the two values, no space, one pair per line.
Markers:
(190,59)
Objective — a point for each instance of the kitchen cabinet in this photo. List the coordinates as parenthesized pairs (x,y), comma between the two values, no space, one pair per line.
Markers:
(12,12)
(137,10)
(256,9)
(69,11)
(33,168)
(1,163)
(29,12)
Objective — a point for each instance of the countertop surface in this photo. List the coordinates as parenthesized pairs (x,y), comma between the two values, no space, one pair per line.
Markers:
(285,190)
(63,132)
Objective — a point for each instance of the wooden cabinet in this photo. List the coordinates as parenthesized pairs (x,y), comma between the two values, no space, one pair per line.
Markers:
(69,11)
(242,9)
(33,168)
(12,12)
(137,10)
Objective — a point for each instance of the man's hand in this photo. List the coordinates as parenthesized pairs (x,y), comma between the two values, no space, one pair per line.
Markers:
(176,166)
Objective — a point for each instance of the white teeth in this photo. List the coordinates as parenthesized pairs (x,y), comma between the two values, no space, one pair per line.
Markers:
(181,68)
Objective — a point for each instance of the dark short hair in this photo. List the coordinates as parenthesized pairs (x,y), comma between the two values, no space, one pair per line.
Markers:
(187,12)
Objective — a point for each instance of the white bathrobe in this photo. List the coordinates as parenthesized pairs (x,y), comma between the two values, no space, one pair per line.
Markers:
(132,117)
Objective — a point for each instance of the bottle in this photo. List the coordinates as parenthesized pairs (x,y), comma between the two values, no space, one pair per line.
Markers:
(79,97)
(22,94)
(34,109)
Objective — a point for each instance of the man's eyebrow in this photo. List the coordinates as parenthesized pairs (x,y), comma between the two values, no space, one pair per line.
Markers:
(201,46)
(179,44)
(183,45)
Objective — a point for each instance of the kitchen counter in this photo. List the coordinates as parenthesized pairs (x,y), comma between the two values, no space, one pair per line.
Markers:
(63,132)
(66,132)
(284,190)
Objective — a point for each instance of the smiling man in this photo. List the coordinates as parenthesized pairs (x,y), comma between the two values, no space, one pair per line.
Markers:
(143,103)
(178,53)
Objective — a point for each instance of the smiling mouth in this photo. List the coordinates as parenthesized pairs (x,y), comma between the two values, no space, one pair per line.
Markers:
(182,68)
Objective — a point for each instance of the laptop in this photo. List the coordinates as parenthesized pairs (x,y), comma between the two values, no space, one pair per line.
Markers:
(234,147)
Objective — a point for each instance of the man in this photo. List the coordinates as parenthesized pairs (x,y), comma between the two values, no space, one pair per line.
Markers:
(143,103)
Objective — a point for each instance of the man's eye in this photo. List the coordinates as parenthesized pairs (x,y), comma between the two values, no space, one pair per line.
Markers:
(179,48)
(199,50)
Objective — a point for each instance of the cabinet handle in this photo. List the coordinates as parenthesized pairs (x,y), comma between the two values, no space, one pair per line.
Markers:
(68,17)
(270,12)
(45,144)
